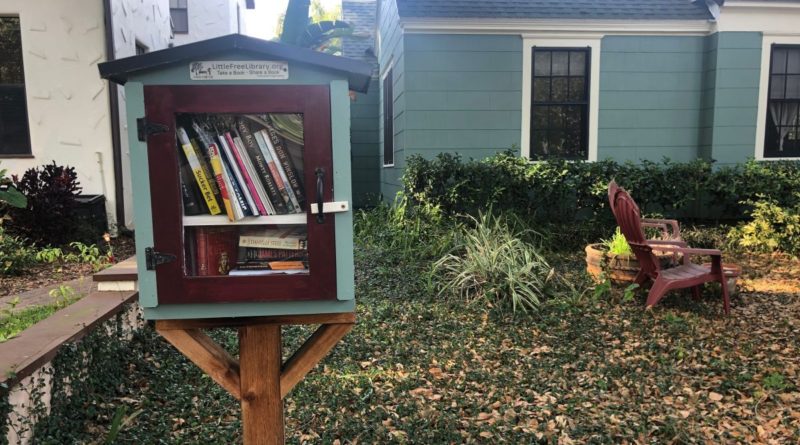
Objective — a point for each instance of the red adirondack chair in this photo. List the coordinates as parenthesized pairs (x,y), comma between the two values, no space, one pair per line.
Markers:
(670,229)
(683,276)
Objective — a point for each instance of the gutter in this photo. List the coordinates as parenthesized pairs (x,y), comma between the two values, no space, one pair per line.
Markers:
(113,112)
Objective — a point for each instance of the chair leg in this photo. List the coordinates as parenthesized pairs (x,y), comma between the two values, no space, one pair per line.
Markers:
(641,278)
(726,301)
(656,293)
(696,293)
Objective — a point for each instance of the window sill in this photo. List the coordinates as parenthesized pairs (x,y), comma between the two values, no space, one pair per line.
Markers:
(388,165)
(16,156)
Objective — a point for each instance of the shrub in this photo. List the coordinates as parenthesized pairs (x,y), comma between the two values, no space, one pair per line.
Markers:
(15,255)
(9,195)
(493,266)
(49,217)
(560,191)
(618,245)
(773,228)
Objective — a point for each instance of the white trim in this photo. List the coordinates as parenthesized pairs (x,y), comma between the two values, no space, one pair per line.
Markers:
(382,77)
(763,91)
(769,17)
(760,4)
(523,26)
(575,41)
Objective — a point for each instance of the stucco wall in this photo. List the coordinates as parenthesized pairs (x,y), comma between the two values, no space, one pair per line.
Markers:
(211,18)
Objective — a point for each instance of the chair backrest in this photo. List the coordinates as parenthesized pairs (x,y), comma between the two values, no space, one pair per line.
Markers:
(612,192)
(629,220)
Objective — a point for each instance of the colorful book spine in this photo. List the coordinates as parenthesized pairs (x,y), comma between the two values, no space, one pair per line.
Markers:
(256,156)
(216,167)
(192,202)
(275,172)
(251,170)
(267,242)
(238,201)
(281,172)
(200,177)
(216,250)
(202,156)
(285,160)
(248,180)
(236,176)
(251,253)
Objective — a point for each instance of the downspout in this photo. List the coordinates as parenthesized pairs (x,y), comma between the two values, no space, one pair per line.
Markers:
(113,112)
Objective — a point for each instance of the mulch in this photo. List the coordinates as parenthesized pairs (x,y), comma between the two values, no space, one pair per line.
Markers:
(43,275)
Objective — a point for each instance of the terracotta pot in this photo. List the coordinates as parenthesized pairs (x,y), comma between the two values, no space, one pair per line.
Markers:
(621,268)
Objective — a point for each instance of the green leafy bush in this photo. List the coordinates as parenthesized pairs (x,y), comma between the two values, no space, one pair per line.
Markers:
(15,254)
(618,245)
(494,267)
(773,228)
(561,191)
(9,195)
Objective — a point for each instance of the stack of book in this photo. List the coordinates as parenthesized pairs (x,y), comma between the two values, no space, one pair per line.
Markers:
(239,166)
(251,251)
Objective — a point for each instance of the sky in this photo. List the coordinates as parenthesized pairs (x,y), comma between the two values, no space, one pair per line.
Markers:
(262,21)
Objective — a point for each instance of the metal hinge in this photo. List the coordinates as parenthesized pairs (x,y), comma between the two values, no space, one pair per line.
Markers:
(153,258)
(145,128)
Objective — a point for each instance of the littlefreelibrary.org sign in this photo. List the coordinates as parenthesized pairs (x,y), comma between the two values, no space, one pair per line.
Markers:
(238,70)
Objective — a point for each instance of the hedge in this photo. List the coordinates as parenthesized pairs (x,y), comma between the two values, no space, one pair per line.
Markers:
(565,191)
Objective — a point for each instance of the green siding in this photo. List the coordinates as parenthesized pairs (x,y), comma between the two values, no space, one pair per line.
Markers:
(737,63)
(651,93)
(391,52)
(365,145)
(463,93)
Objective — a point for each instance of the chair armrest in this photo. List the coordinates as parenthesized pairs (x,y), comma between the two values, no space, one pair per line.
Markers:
(664,242)
(689,250)
(672,223)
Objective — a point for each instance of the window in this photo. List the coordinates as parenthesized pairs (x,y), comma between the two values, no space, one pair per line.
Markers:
(178,12)
(559,126)
(782,135)
(14,133)
(141,48)
(388,119)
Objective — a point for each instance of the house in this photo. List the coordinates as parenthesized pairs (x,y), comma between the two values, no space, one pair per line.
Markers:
(54,106)
(587,79)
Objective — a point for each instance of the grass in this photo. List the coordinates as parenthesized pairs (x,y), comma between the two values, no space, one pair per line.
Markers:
(12,321)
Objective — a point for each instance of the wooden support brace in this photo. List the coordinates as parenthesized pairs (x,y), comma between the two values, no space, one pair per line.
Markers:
(312,351)
(207,355)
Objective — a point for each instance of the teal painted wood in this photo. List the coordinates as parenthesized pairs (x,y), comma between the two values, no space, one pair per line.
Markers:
(340,132)
(651,92)
(391,54)
(140,181)
(735,96)
(365,145)
(342,188)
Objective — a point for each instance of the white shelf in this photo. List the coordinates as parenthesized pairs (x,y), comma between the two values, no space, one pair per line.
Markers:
(222,220)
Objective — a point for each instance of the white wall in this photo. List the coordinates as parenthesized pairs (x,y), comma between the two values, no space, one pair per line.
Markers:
(145,21)
(68,107)
(211,18)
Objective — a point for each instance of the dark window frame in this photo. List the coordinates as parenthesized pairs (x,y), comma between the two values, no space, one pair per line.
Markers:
(772,139)
(140,48)
(388,118)
(15,144)
(184,10)
(584,103)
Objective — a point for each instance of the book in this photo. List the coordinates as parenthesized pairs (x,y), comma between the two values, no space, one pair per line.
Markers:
(254,253)
(202,156)
(215,250)
(275,173)
(253,173)
(240,165)
(274,265)
(236,176)
(213,154)
(190,195)
(281,171)
(190,252)
(200,177)
(262,169)
(260,272)
(294,179)
(292,238)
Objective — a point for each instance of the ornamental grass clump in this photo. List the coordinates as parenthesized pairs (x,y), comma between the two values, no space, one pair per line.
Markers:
(618,245)
(493,266)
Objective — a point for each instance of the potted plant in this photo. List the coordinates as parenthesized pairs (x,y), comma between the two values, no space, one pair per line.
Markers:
(615,257)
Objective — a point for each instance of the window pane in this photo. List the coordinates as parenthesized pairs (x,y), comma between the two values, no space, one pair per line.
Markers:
(577,63)
(541,63)
(576,88)
(541,89)
(778,61)
(793,87)
(539,117)
(555,142)
(388,119)
(556,117)
(539,142)
(560,63)
(10,51)
(777,87)
(794,61)
(560,86)
(14,135)
(180,20)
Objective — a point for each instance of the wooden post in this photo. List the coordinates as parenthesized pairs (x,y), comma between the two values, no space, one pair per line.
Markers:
(260,369)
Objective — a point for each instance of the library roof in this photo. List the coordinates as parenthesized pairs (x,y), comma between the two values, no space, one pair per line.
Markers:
(358,73)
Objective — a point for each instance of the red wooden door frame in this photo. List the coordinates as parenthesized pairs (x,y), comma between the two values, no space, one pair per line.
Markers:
(161,105)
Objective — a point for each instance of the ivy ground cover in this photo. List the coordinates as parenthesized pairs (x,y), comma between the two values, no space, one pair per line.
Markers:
(416,370)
